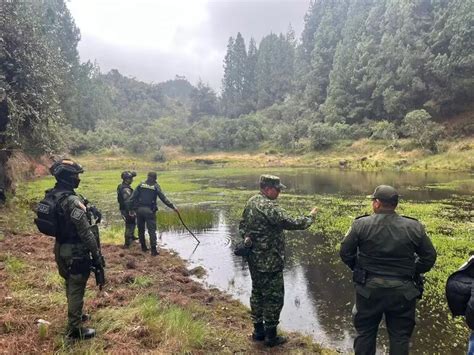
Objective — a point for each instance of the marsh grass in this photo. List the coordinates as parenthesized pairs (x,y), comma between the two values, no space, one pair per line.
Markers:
(195,218)
(142,282)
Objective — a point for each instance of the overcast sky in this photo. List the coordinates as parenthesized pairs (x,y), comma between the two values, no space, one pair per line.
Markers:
(153,40)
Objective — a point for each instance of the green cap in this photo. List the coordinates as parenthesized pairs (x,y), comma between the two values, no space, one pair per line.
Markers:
(384,193)
(271,181)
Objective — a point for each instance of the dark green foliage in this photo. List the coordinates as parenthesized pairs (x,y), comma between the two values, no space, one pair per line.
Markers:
(34,59)
(274,70)
(211,133)
(203,102)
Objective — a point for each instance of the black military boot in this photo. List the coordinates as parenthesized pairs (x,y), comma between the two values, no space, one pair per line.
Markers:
(271,338)
(144,248)
(154,251)
(258,332)
(81,333)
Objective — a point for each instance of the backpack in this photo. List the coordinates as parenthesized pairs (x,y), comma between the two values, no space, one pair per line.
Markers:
(458,288)
(49,211)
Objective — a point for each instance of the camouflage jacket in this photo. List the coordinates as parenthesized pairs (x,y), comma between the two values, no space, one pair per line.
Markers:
(75,213)
(264,221)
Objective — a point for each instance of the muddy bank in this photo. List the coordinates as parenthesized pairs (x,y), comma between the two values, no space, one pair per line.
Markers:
(31,290)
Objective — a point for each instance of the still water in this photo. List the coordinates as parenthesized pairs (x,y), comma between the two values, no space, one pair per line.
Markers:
(318,290)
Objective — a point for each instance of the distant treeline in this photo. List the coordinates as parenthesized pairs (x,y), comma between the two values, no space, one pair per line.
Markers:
(362,68)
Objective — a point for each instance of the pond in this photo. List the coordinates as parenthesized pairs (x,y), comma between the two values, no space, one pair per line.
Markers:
(318,291)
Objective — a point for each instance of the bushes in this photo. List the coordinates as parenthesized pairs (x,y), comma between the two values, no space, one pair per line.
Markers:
(424,132)
(384,130)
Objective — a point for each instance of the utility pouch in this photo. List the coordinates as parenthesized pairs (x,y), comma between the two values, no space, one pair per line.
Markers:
(80,265)
(359,276)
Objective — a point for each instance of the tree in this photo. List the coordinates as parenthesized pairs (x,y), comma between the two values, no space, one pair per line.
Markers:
(203,102)
(233,83)
(424,132)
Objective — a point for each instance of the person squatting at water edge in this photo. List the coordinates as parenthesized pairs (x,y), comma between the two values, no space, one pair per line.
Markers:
(261,228)
(143,202)
(124,193)
(387,254)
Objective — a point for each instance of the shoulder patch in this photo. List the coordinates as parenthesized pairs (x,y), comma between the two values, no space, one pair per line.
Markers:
(365,215)
(77,213)
(410,218)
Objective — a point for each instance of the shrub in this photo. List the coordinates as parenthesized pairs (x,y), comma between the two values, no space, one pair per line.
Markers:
(424,132)
(384,130)
(322,135)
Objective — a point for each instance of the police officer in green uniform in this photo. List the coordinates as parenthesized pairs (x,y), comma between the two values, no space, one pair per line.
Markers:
(76,248)
(124,193)
(386,252)
(144,203)
(262,226)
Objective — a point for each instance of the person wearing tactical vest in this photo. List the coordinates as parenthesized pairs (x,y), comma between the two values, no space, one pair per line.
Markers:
(460,296)
(143,201)
(262,229)
(76,249)
(124,192)
(386,252)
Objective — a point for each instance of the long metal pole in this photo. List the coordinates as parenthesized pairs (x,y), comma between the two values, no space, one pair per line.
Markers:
(185,226)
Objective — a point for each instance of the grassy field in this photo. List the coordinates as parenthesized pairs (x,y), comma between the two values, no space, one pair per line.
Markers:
(190,185)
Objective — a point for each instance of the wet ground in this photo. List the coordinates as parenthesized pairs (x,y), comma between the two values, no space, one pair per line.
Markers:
(318,290)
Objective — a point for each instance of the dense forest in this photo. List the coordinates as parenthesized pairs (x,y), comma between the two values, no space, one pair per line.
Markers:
(379,69)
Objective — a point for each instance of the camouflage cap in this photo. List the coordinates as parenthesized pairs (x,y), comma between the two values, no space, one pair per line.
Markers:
(384,193)
(271,181)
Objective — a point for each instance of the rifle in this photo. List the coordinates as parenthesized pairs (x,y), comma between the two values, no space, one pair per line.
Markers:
(98,270)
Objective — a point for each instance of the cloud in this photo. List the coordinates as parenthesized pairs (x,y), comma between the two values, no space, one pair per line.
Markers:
(153,40)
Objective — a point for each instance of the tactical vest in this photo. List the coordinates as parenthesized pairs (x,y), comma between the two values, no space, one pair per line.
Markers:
(147,195)
(52,219)
(120,199)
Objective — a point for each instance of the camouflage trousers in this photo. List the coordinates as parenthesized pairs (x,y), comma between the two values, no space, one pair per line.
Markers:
(73,263)
(266,301)
(146,216)
(130,223)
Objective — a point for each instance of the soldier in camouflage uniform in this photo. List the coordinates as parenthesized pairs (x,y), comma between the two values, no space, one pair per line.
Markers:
(124,192)
(143,201)
(76,248)
(262,226)
(386,252)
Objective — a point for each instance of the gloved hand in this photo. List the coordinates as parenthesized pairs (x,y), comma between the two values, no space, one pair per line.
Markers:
(96,213)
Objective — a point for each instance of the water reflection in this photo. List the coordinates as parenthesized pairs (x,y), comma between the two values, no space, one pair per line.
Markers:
(412,186)
(318,288)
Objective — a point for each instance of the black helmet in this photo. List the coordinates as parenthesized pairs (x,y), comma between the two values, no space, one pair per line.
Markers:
(65,166)
(128,175)
(65,171)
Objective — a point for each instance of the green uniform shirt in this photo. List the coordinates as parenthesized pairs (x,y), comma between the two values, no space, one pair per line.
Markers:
(388,244)
(75,210)
(264,221)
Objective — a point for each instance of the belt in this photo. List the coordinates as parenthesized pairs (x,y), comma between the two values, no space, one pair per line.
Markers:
(389,277)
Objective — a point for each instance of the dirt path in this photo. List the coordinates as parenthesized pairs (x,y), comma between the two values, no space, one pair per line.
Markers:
(31,290)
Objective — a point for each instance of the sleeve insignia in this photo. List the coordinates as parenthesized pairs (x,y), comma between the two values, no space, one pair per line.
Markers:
(77,213)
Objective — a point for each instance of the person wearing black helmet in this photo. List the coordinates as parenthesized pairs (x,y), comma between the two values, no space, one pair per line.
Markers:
(124,192)
(76,248)
(143,201)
